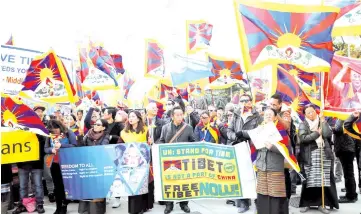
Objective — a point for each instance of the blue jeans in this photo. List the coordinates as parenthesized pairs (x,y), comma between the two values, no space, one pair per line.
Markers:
(36,176)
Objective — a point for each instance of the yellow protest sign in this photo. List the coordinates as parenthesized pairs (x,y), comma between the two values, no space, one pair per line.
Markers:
(19,146)
(197,171)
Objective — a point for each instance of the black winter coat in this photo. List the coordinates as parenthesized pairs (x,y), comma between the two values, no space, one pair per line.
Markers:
(343,142)
(308,141)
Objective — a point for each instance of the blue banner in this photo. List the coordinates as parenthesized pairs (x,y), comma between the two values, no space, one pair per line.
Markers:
(105,171)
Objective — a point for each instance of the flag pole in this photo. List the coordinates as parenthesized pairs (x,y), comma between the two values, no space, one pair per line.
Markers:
(322,184)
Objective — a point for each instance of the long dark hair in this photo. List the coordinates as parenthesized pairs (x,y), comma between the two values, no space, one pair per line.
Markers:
(56,124)
(105,124)
(140,127)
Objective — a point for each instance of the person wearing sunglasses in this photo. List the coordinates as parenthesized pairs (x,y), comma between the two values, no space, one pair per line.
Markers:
(244,118)
(96,136)
(204,131)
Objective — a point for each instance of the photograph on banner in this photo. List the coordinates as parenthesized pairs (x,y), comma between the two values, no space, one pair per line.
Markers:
(15,62)
(18,146)
(119,170)
(259,83)
(342,86)
(198,170)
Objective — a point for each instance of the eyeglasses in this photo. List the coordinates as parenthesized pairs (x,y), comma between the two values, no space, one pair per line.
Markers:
(244,101)
(98,124)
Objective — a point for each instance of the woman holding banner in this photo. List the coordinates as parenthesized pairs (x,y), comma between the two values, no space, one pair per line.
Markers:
(271,188)
(61,137)
(96,136)
(319,189)
(135,131)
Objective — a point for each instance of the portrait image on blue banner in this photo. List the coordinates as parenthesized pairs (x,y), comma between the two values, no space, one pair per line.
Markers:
(105,171)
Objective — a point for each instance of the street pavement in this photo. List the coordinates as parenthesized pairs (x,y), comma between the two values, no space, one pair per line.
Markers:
(217,206)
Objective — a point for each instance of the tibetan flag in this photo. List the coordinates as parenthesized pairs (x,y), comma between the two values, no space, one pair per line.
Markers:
(10,41)
(284,146)
(154,59)
(199,35)
(165,91)
(76,131)
(16,115)
(187,70)
(225,69)
(307,81)
(291,93)
(118,63)
(183,93)
(197,92)
(172,165)
(273,34)
(47,79)
(258,96)
(84,65)
(92,95)
(160,107)
(79,88)
(127,84)
(348,22)
(342,87)
(102,61)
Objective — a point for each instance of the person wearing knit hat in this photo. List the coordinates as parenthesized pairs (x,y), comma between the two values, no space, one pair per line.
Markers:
(39,110)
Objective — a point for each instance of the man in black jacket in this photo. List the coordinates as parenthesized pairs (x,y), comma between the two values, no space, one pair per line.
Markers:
(192,117)
(154,123)
(48,184)
(349,127)
(168,131)
(35,168)
(345,151)
(114,128)
(245,118)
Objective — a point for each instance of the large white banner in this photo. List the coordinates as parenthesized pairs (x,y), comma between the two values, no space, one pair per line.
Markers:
(14,62)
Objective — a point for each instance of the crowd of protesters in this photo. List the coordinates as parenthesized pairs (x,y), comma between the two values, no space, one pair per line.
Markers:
(314,137)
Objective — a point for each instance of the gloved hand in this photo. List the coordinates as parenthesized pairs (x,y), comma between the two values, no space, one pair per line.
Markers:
(239,134)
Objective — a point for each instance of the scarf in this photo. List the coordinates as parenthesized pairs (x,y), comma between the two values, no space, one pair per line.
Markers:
(93,136)
(247,111)
(314,127)
(214,132)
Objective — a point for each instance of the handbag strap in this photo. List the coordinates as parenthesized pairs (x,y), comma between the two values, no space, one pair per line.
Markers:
(178,133)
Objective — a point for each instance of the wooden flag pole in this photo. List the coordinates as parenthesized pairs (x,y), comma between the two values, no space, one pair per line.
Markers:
(322,171)
(322,184)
